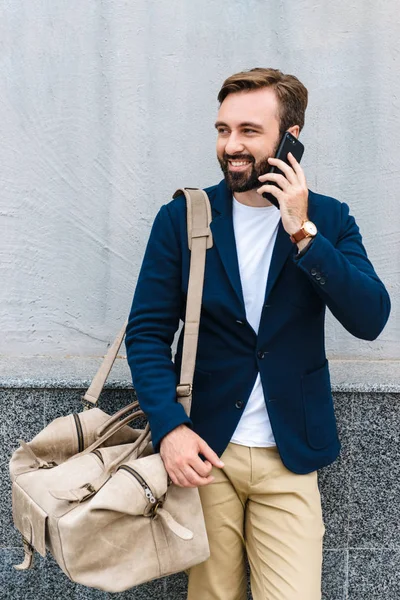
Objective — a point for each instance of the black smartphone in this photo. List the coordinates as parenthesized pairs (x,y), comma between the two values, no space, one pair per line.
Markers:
(288,143)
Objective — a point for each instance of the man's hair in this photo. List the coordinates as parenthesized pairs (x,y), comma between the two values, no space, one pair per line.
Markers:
(292,95)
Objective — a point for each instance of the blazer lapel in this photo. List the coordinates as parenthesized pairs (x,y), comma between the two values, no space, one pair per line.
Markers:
(224,239)
(282,248)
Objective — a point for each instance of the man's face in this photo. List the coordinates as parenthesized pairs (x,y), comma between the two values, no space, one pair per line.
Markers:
(248,134)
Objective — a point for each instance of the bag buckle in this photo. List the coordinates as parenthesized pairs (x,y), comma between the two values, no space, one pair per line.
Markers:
(155,509)
(86,404)
(50,464)
(151,510)
(89,487)
(184,389)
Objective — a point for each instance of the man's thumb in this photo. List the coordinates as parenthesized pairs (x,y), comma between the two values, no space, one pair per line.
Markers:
(208,453)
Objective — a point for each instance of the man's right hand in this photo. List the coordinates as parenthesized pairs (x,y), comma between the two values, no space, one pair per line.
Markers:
(180,449)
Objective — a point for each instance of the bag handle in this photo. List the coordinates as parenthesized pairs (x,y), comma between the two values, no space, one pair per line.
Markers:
(111,431)
(91,397)
(102,435)
(198,215)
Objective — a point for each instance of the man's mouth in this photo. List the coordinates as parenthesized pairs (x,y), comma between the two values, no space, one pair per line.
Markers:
(238,165)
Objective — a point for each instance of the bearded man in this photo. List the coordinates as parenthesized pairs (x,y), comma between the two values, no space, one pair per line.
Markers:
(262,420)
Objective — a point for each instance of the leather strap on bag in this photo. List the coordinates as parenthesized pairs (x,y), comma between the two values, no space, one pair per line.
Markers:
(199,240)
(198,212)
(91,397)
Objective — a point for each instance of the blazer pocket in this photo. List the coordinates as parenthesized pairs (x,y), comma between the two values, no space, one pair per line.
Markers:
(318,408)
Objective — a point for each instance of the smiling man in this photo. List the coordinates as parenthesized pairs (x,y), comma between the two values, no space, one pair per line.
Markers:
(262,420)
(250,124)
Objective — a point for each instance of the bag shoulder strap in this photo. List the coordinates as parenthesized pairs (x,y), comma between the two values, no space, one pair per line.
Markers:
(199,240)
(198,213)
(197,202)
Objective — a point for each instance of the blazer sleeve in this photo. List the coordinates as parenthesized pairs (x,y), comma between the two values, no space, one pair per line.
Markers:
(346,281)
(152,323)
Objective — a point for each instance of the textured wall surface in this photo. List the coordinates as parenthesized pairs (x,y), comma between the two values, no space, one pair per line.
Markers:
(107,107)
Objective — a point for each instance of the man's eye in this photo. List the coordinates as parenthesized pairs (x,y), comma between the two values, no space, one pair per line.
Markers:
(249,130)
(222,130)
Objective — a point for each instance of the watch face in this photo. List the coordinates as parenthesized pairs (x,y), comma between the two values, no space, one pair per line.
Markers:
(310,228)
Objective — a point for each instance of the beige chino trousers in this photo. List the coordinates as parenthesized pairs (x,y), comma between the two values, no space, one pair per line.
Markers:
(256,505)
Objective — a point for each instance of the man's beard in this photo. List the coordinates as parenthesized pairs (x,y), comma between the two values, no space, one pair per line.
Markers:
(243,181)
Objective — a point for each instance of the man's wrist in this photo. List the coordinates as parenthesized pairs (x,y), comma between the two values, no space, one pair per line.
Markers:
(303,243)
(305,249)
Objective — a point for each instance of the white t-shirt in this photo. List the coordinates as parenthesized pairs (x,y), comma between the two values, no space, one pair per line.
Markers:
(255,233)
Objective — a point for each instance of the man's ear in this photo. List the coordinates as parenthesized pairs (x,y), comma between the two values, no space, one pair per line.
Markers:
(294,130)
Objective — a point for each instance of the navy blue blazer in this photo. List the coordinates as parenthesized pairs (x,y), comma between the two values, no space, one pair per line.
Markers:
(289,350)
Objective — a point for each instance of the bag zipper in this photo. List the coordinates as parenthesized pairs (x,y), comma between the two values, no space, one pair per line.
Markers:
(79,432)
(149,494)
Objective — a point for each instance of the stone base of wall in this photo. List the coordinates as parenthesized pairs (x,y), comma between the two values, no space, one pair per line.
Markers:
(360,491)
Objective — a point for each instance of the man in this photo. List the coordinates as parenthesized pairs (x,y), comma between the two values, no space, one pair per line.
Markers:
(262,413)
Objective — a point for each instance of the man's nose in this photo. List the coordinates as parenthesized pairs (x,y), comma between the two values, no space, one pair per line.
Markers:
(233,145)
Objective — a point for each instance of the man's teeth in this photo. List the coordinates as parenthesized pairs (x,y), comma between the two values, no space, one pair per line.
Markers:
(239,164)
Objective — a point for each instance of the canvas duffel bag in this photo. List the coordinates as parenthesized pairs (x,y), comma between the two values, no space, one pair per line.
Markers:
(90,489)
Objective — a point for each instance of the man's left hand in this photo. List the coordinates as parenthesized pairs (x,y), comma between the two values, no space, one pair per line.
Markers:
(292,193)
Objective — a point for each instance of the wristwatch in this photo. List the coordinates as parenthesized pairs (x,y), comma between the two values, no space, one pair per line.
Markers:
(308,229)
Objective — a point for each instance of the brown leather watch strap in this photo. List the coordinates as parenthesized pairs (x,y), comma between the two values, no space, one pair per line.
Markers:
(304,232)
(298,236)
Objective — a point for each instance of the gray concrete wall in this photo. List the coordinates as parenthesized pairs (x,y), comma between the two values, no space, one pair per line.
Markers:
(107,107)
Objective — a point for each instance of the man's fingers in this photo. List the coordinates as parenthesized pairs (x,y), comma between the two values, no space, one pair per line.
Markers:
(187,477)
(193,479)
(279,179)
(180,451)
(296,167)
(206,480)
(173,477)
(288,171)
(202,468)
(176,476)
(208,453)
(272,189)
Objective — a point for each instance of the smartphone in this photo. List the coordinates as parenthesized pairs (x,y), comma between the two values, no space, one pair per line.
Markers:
(288,143)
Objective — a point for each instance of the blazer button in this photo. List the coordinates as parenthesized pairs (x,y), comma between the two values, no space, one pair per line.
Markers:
(322,281)
(239,404)
(313,272)
(261,354)
(318,276)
